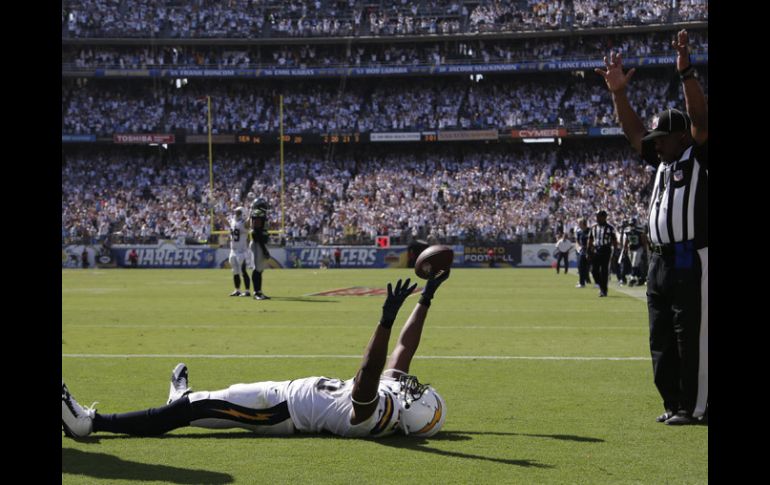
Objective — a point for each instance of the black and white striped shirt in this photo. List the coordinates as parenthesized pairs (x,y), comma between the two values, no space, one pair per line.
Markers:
(679,202)
(602,236)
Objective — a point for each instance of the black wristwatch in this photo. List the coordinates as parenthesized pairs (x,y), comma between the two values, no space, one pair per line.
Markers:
(688,73)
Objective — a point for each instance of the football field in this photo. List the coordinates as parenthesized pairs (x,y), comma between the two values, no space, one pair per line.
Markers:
(544,382)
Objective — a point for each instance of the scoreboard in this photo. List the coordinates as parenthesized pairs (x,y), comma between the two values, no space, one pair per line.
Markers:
(298,139)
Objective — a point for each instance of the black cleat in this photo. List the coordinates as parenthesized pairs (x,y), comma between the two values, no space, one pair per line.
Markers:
(682,418)
(663,417)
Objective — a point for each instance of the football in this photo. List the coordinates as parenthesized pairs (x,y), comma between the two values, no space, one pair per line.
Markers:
(432,260)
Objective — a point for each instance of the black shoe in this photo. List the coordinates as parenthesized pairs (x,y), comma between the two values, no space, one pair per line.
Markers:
(681,418)
(602,294)
(663,417)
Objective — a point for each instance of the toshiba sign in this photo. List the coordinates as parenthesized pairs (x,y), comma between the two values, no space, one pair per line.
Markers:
(550,132)
(143,139)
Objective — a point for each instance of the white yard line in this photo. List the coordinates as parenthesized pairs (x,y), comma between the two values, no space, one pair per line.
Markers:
(638,292)
(290,326)
(290,356)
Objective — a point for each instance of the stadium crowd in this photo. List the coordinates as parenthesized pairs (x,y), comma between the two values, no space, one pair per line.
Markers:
(324,18)
(439,193)
(104,107)
(347,195)
(371,55)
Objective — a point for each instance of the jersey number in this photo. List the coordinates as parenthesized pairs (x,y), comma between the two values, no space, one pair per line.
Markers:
(235,234)
(329,385)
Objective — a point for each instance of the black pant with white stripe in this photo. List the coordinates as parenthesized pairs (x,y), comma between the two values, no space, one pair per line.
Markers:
(677,299)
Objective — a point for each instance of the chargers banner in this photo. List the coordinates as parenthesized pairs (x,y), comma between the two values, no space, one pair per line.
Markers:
(167,256)
(350,257)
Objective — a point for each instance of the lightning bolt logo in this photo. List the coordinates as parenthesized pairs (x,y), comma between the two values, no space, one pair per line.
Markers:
(251,417)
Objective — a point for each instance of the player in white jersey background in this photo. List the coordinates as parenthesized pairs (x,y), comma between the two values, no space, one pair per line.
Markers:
(241,258)
(380,400)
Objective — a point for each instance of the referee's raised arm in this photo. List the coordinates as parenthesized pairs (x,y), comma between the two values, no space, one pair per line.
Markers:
(695,100)
(616,80)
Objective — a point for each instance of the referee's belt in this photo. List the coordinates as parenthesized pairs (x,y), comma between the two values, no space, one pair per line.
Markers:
(663,249)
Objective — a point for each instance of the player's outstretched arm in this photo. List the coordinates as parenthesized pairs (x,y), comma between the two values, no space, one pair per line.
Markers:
(367,381)
(409,339)
(617,81)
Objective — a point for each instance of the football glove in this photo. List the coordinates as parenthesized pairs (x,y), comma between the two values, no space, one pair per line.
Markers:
(432,286)
(394,301)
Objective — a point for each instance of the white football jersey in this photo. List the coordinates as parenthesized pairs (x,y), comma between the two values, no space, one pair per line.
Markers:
(324,404)
(239,238)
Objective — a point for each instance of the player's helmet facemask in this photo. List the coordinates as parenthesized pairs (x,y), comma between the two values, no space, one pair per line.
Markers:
(423,410)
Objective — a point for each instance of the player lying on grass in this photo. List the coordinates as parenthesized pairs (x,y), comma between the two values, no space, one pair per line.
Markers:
(373,404)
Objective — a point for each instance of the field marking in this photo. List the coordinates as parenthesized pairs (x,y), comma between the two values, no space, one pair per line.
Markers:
(92,290)
(638,292)
(368,310)
(326,356)
(363,326)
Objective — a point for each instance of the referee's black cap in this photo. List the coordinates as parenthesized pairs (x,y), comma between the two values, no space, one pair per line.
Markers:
(601,212)
(669,121)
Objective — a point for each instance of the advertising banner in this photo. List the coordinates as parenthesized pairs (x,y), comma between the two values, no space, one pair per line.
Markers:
(539,133)
(78,138)
(204,72)
(605,131)
(503,255)
(467,135)
(409,136)
(166,255)
(277,258)
(542,255)
(350,257)
(214,138)
(142,139)
(379,71)
(125,73)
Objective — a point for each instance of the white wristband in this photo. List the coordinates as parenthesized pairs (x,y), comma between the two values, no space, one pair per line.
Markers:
(377,396)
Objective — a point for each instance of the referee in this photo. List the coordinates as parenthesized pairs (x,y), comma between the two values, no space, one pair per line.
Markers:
(677,285)
(601,242)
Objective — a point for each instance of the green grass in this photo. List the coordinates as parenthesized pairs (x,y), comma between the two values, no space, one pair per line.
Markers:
(509,421)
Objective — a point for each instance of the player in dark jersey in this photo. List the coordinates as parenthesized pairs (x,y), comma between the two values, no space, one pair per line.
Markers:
(258,244)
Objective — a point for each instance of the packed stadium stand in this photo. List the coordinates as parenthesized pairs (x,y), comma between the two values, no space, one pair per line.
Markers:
(410,119)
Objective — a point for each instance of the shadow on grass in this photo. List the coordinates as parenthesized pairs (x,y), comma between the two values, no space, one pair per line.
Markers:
(216,435)
(396,441)
(101,465)
(301,299)
(563,437)
(421,445)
